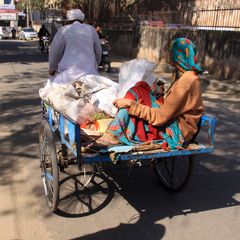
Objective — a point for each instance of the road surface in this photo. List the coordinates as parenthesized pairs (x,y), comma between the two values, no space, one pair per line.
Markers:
(125,208)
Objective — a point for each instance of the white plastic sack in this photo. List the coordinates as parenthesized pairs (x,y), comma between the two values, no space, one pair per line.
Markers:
(104,92)
(130,73)
(134,71)
(99,91)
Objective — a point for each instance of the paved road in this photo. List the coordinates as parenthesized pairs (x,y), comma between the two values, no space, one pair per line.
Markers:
(123,208)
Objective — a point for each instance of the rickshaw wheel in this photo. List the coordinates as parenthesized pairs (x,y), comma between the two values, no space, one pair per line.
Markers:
(173,173)
(49,165)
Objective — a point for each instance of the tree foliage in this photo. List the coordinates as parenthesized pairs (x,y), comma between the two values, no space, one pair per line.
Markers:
(35,4)
(95,8)
(69,4)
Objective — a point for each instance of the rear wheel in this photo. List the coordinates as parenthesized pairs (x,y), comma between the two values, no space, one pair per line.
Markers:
(174,173)
(49,165)
(47,46)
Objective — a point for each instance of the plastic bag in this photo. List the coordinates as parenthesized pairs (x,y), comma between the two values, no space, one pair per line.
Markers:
(134,71)
(97,92)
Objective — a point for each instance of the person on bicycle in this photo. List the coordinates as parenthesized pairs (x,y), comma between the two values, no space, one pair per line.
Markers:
(75,50)
(42,32)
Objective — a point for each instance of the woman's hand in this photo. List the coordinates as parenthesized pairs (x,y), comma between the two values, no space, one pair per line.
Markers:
(122,103)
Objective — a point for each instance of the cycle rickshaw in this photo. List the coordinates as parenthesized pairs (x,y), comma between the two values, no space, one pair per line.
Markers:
(60,145)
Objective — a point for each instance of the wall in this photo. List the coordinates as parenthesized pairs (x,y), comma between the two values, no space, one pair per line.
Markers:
(8,13)
(218,51)
(10,2)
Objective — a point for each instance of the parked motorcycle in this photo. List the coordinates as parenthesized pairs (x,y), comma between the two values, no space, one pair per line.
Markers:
(105,61)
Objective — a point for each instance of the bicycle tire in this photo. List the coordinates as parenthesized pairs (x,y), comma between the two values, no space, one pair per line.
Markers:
(174,173)
(49,165)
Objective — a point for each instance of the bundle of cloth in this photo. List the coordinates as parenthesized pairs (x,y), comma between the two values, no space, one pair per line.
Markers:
(88,99)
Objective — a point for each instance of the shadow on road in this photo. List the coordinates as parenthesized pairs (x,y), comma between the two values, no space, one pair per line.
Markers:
(213,186)
(208,190)
(21,52)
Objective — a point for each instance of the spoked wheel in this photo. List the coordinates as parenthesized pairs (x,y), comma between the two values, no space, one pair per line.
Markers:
(174,172)
(49,165)
(84,192)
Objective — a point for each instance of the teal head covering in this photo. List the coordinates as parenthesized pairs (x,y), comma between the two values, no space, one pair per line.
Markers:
(184,55)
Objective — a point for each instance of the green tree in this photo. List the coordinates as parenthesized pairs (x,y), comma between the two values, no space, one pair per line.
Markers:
(34,4)
(37,4)
(69,4)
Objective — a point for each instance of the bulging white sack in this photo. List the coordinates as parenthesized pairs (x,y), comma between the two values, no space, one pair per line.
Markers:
(99,92)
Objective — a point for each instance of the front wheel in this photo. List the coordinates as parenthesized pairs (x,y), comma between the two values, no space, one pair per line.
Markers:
(42,47)
(173,173)
(107,65)
(49,165)
(107,68)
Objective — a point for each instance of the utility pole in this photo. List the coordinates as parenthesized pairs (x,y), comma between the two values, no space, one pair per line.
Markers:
(30,12)
(27,13)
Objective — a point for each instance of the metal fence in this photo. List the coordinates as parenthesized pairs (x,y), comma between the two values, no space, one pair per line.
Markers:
(217,18)
(213,19)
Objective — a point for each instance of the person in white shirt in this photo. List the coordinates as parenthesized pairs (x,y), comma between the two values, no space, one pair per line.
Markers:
(75,50)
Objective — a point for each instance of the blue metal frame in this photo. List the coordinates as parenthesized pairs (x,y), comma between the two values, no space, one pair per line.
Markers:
(211,122)
(123,153)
